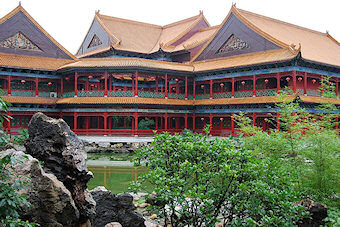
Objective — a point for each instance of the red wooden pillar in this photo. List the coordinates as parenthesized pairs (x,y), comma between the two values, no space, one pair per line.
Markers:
(294,81)
(156,84)
(277,121)
(211,89)
(186,87)
(337,87)
(156,123)
(232,124)
(254,119)
(166,122)
(36,87)
(136,84)
(254,85)
(75,84)
(194,90)
(136,123)
(75,122)
(305,83)
(87,124)
(211,122)
(166,86)
(105,86)
(321,86)
(61,87)
(233,87)
(278,85)
(185,120)
(105,123)
(9,122)
(9,92)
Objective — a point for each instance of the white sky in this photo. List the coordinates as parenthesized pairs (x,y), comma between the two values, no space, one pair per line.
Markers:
(69,20)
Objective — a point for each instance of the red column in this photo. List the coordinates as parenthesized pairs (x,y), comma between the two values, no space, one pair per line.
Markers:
(337,87)
(75,122)
(294,81)
(75,84)
(194,90)
(233,87)
(87,124)
(305,83)
(105,123)
(105,87)
(321,79)
(211,122)
(36,87)
(277,121)
(166,86)
(278,83)
(136,124)
(9,85)
(186,87)
(136,84)
(211,89)
(166,122)
(254,85)
(9,122)
(232,124)
(156,84)
(254,119)
(61,87)
(156,122)
(185,120)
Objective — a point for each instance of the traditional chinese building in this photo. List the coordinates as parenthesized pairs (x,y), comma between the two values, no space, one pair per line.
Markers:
(131,78)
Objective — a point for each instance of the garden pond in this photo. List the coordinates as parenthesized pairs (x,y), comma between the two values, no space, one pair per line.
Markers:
(113,171)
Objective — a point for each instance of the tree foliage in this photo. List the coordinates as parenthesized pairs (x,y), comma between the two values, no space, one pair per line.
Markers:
(200,181)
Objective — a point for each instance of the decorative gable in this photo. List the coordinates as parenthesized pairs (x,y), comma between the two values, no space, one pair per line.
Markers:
(233,43)
(234,37)
(95,41)
(19,41)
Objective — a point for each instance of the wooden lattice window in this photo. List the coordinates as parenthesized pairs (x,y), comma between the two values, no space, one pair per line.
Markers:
(95,41)
(19,41)
(233,43)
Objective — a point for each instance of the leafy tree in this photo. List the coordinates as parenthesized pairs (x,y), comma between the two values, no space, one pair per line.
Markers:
(200,181)
(146,123)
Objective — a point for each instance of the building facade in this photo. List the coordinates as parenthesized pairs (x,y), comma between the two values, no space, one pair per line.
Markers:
(130,78)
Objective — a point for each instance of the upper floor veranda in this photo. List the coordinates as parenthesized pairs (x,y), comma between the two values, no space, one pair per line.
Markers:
(181,86)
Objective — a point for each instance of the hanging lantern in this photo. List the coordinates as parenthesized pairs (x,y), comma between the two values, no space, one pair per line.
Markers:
(92,85)
(174,89)
(266,119)
(314,81)
(176,80)
(222,84)
(299,120)
(202,86)
(221,119)
(243,82)
(288,79)
(266,81)
(329,83)
(202,118)
(23,81)
(299,78)
(49,83)
(90,77)
(67,78)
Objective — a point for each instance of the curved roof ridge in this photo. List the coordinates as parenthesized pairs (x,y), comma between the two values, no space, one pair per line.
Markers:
(280,21)
(123,20)
(208,28)
(333,39)
(182,21)
(20,8)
